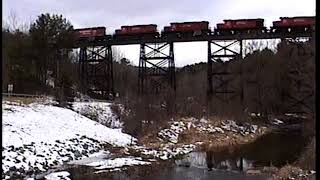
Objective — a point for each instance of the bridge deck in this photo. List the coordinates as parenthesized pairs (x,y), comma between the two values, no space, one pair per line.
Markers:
(110,40)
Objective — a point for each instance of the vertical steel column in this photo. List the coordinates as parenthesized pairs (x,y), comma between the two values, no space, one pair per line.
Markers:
(172,67)
(110,84)
(241,75)
(209,72)
(209,80)
(82,60)
(141,73)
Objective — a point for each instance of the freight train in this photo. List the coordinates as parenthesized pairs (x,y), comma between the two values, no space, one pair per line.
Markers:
(195,28)
(237,26)
(94,33)
(201,28)
(294,24)
(148,30)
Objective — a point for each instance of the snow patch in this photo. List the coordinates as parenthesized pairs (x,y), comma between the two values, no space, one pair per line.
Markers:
(36,123)
(117,162)
(58,175)
(277,121)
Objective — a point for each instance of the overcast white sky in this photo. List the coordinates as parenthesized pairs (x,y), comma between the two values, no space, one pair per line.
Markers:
(113,14)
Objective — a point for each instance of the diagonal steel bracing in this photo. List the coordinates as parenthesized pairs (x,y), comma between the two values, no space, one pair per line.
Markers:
(96,71)
(219,75)
(156,69)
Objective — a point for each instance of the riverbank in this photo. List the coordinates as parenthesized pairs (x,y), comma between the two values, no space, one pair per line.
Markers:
(41,139)
(203,134)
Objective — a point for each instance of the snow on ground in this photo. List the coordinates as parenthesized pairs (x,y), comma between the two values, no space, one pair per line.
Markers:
(37,137)
(101,111)
(106,162)
(172,133)
(118,162)
(295,115)
(58,175)
(276,121)
(36,123)
(91,158)
(167,151)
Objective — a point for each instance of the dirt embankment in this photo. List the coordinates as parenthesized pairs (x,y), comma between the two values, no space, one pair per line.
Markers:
(205,134)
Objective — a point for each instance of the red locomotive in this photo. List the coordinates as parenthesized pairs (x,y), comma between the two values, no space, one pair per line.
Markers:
(150,29)
(195,27)
(300,23)
(90,33)
(240,26)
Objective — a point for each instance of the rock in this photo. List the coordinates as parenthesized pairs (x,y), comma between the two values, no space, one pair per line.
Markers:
(219,129)
(189,125)
(225,127)
(85,146)
(70,157)
(55,162)
(40,155)
(84,152)
(77,154)
(21,170)
(203,121)
(11,147)
(12,168)
(254,128)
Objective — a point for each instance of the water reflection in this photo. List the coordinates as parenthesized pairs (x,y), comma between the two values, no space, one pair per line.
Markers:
(225,163)
(211,160)
(275,148)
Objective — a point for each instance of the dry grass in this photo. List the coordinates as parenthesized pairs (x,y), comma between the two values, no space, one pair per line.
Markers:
(288,171)
(217,140)
(21,100)
(293,172)
(150,140)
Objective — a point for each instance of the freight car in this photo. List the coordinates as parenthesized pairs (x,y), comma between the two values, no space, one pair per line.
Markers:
(194,28)
(238,26)
(94,33)
(294,24)
(149,30)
